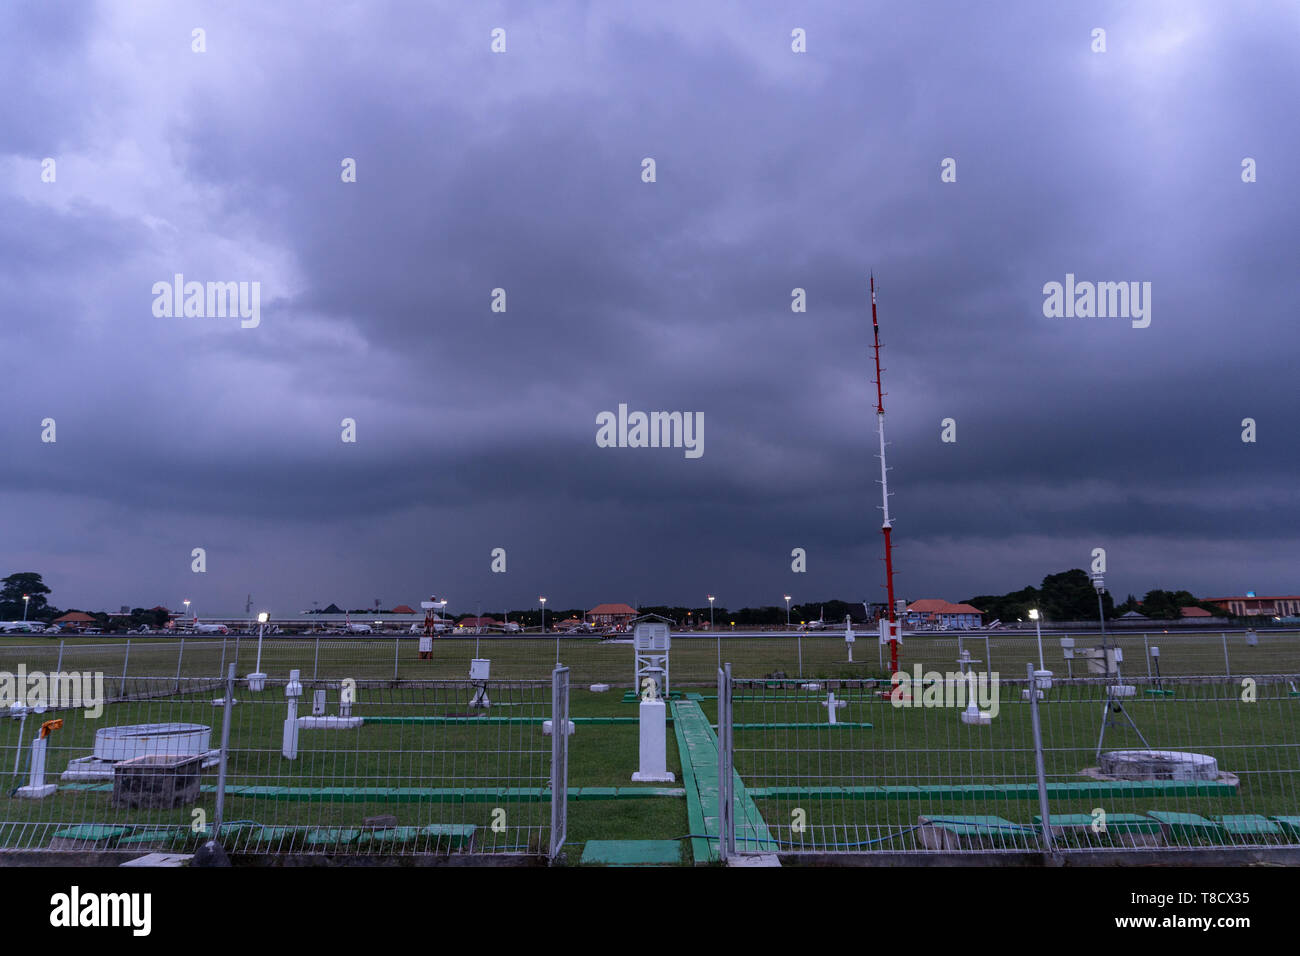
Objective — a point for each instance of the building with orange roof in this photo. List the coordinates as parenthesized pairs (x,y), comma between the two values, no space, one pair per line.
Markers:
(937,612)
(611,614)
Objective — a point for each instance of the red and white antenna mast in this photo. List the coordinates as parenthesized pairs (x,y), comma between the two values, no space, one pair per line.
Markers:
(886,526)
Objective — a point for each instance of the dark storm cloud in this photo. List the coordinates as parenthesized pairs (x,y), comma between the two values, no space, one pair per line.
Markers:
(522,171)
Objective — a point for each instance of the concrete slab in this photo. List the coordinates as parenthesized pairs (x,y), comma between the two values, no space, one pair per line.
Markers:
(633,852)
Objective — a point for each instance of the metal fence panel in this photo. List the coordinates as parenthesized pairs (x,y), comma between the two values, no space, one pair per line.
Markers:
(1187,763)
(407,768)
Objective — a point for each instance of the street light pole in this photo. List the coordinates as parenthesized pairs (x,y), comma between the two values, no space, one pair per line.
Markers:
(1038,627)
(26,598)
(711,612)
(787,612)
(543,602)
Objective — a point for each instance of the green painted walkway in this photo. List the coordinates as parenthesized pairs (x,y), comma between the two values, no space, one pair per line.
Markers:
(697,745)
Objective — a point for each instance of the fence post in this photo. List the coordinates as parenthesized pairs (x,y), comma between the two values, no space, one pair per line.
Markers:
(1039,767)
(799,644)
(315,660)
(225,749)
(988,655)
(559,759)
(58,668)
(397,650)
(726,800)
(1146,652)
(179,657)
(126,659)
(1227,666)
(221,668)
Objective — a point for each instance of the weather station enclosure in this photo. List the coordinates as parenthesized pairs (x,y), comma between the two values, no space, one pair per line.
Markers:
(652,642)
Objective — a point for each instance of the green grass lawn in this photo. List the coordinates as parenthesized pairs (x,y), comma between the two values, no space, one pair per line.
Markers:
(694,657)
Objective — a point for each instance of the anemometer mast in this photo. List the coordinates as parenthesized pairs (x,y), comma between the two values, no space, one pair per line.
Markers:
(886,526)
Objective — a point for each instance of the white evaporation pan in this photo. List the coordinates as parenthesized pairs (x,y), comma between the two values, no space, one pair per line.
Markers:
(115,744)
(1158,765)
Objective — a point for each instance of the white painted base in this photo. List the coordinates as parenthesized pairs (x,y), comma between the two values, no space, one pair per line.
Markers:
(220,702)
(1123,690)
(92,769)
(599,688)
(666,777)
(975,718)
(547,725)
(330,722)
(754,859)
(810,686)
(36,793)
(1024,694)
(161,859)
(256,681)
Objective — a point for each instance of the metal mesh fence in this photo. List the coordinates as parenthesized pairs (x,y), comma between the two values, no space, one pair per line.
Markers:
(1185,762)
(411,767)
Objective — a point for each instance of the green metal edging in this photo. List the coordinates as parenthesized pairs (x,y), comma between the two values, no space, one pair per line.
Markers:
(1009,791)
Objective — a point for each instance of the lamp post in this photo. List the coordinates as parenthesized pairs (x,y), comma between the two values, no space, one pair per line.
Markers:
(186,602)
(257,680)
(1037,619)
(26,598)
(787,612)
(543,602)
(711,600)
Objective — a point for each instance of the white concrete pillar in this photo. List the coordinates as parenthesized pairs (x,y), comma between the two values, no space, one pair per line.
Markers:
(654,744)
(289,747)
(36,785)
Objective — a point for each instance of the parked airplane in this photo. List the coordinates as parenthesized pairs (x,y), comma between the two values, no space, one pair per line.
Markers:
(355,628)
(440,626)
(817,625)
(209,628)
(21,627)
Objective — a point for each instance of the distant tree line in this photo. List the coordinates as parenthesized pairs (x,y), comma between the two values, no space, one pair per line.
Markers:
(1070,596)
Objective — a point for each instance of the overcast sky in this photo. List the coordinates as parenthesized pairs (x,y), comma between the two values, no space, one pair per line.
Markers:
(523,170)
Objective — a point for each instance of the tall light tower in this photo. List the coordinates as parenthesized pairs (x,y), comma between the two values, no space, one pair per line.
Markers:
(787,612)
(711,600)
(1038,629)
(886,526)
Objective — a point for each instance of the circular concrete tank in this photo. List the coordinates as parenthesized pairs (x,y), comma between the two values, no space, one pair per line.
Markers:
(149,740)
(1158,765)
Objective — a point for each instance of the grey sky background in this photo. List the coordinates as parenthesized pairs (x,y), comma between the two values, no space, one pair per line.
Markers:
(522,170)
